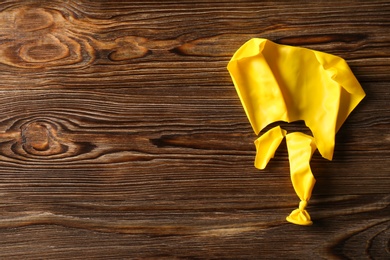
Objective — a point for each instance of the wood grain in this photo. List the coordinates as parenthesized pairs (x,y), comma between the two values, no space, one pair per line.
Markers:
(122,137)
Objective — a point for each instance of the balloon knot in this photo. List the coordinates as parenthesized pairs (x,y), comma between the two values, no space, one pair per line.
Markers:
(302,205)
(300,216)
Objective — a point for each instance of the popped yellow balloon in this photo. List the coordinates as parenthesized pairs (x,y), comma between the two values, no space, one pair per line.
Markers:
(283,83)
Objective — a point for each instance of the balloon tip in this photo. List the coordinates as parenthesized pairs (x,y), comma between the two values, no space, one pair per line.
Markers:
(299,221)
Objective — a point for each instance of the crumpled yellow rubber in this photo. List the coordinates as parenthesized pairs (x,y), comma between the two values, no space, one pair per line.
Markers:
(266,146)
(284,83)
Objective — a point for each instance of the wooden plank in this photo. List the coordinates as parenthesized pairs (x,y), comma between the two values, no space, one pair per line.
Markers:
(122,136)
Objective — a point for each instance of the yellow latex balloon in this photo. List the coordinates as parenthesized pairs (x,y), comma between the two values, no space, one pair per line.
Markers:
(284,83)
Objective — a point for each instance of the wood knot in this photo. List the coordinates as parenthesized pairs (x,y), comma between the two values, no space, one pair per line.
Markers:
(32,19)
(46,49)
(40,138)
(44,139)
(128,48)
(42,38)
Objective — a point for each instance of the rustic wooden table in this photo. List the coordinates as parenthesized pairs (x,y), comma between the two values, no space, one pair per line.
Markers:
(122,136)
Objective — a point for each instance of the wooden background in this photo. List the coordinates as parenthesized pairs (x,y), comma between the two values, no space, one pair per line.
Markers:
(122,136)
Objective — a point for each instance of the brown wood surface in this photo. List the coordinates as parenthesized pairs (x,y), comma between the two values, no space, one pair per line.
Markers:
(122,136)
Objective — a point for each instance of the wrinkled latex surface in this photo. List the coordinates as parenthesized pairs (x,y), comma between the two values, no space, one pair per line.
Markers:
(284,83)
(266,146)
